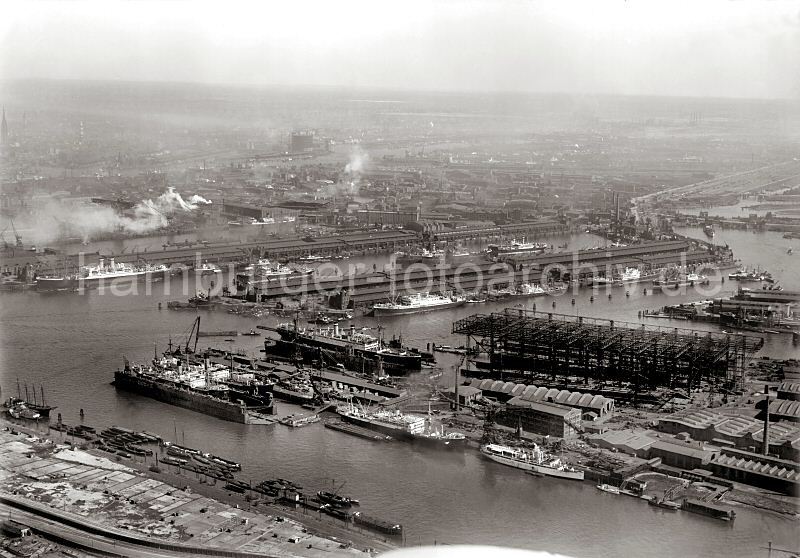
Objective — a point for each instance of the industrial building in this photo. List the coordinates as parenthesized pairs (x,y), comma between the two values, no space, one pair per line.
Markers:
(789,391)
(784,409)
(739,431)
(758,470)
(301,142)
(625,441)
(519,342)
(467,395)
(546,419)
(684,455)
(591,406)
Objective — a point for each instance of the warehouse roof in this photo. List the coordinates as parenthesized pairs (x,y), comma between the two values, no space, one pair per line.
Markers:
(540,393)
(785,408)
(544,408)
(682,449)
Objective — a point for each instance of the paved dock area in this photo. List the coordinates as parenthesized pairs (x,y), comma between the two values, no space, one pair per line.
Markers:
(111,494)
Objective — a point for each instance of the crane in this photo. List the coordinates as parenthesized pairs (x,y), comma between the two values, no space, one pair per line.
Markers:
(16,234)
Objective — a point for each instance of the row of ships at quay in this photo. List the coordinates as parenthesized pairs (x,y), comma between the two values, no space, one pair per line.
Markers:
(218,384)
(236,388)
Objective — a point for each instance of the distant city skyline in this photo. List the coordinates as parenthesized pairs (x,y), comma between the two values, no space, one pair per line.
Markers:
(702,49)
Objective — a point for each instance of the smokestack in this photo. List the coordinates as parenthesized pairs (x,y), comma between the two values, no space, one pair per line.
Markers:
(765,444)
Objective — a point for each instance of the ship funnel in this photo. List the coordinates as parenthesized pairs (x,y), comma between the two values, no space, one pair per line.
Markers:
(111,263)
(336,330)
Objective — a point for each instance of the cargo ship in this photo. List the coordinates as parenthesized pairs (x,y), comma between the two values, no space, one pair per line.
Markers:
(194,387)
(689,280)
(515,247)
(349,346)
(427,257)
(401,426)
(536,460)
(418,302)
(630,275)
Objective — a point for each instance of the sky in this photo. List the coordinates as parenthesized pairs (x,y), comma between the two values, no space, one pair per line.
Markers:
(701,48)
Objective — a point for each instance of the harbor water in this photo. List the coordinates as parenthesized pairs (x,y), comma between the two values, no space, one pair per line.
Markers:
(71,343)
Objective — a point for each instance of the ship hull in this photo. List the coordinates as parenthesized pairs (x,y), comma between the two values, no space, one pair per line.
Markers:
(161,391)
(533,467)
(73,283)
(401,311)
(310,349)
(56,284)
(398,433)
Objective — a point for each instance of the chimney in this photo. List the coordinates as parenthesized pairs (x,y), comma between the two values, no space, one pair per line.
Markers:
(765,443)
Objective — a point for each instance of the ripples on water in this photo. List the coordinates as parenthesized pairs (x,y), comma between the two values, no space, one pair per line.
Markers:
(72,342)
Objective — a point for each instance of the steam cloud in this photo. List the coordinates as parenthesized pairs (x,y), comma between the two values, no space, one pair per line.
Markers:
(358,163)
(54,221)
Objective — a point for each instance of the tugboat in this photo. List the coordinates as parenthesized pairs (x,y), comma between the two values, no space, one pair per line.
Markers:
(709,231)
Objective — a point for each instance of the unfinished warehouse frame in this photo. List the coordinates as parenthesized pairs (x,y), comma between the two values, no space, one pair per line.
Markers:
(646,357)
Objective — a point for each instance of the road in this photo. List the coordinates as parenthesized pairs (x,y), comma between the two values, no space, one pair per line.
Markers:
(53,530)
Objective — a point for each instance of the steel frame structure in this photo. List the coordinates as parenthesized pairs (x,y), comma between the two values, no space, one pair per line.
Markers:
(647,357)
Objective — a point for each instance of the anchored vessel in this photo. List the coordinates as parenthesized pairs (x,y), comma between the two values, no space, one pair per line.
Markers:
(419,302)
(346,345)
(536,460)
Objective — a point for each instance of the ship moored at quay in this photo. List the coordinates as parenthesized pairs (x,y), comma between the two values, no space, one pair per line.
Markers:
(401,426)
(534,460)
(104,273)
(354,348)
(183,378)
(170,382)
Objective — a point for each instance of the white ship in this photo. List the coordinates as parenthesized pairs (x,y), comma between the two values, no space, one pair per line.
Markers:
(265,269)
(630,275)
(112,271)
(419,302)
(262,221)
(531,289)
(206,268)
(535,460)
(423,256)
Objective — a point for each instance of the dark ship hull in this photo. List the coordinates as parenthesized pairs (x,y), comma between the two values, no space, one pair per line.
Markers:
(246,409)
(347,354)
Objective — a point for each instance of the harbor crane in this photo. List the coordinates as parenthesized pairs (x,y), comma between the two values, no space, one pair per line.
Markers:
(16,234)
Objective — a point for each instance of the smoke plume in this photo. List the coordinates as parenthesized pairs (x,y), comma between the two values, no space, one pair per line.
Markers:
(54,221)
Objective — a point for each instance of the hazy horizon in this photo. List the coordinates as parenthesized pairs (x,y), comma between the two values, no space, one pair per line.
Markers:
(716,49)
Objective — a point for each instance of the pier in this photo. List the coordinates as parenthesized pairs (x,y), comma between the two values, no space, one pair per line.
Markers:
(473,276)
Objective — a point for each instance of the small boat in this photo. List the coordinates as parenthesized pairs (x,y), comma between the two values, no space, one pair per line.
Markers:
(608,488)
(252,333)
(665,504)
(296,421)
